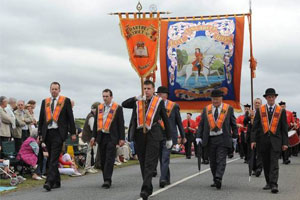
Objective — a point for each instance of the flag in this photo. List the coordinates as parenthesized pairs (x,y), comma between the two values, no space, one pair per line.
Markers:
(141,36)
(199,55)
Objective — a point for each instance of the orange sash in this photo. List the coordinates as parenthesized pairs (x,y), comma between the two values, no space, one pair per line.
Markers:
(274,121)
(169,108)
(104,126)
(59,105)
(152,108)
(219,123)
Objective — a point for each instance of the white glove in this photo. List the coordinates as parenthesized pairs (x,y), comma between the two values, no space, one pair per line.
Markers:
(141,98)
(198,140)
(169,144)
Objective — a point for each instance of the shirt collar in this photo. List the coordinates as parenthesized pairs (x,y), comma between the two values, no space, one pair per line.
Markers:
(219,106)
(108,105)
(271,106)
(55,98)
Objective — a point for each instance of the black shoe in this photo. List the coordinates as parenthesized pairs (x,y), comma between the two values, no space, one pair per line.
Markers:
(213,185)
(274,189)
(206,162)
(267,187)
(154,174)
(188,157)
(56,185)
(144,195)
(257,172)
(230,156)
(47,186)
(218,183)
(106,184)
(162,183)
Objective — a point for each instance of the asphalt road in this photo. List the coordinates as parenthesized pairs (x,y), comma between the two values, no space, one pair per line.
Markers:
(187,184)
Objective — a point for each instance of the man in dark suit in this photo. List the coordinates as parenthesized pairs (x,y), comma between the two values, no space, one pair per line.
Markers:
(110,131)
(215,130)
(270,129)
(56,120)
(147,142)
(173,113)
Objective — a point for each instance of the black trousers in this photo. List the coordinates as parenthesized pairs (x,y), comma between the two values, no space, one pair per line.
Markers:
(147,149)
(18,144)
(270,163)
(25,135)
(217,156)
(188,145)
(205,153)
(257,163)
(108,155)
(54,145)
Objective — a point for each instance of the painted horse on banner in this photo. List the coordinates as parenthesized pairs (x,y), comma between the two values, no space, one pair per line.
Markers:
(188,71)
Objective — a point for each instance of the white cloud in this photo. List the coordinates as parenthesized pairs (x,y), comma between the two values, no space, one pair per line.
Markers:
(78,44)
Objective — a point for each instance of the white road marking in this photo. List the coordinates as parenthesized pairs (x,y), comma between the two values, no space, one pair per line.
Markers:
(185,179)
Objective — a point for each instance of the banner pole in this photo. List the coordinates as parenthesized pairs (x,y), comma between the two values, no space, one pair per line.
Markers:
(143,107)
(251,53)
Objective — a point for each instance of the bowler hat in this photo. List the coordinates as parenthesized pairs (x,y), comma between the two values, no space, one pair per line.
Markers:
(281,103)
(217,93)
(247,106)
(162,89)
(270,91)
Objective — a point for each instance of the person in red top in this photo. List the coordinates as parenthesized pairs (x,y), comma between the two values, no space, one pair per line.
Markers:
(198,63)
(296,148)
(242,131)
(189,126)
(290,121)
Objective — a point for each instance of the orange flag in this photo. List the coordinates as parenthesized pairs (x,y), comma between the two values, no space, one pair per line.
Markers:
(141,36)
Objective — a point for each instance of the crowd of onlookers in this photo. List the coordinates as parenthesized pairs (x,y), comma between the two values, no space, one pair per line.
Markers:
(18,129)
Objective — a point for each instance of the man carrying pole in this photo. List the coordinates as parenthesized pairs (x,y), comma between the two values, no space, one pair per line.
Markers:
(148,143)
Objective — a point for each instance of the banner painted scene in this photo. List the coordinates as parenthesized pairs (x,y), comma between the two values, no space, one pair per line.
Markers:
(141,36)
(198,56)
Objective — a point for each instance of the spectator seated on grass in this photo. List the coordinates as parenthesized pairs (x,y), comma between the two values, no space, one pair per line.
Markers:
(28,153)
(178,148)
(67,165)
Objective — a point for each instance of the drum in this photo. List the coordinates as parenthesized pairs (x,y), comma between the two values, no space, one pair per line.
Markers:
(293,138)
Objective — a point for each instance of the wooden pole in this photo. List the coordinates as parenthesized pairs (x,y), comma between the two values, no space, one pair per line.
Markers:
(251,52)
(143,107)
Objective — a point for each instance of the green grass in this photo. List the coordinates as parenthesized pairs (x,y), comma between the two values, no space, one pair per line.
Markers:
(30,183)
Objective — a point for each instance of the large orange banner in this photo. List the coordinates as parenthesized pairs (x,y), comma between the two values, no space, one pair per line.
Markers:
(141,36)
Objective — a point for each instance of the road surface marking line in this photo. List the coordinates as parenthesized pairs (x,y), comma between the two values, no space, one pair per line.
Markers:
(185,179)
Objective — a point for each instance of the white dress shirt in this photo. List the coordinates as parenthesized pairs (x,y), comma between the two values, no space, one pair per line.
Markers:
(54,125)
(219,132)
(105,114)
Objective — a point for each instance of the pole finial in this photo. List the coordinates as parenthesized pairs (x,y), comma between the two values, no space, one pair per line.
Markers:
(139,6)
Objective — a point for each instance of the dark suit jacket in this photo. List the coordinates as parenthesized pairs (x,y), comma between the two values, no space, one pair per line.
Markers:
(175,121)
(229,128)
(247,123)
(65,121)
(278,139)
(156,130)
(116,130)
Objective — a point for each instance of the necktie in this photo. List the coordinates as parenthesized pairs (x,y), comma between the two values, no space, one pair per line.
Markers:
(270,110)
(52,105)
(216,114)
